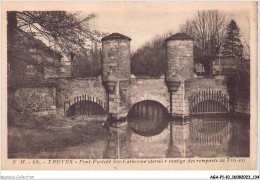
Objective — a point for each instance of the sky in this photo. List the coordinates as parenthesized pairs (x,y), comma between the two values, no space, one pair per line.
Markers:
(141,21)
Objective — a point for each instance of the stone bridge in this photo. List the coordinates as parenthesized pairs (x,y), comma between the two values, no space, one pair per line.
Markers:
(141,89)
(121,89)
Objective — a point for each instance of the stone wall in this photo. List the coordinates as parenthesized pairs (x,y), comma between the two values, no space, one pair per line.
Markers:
(51,72)
(68,88)
(23,72)
(45,98)
(37,99)
(200,84)
(155,89)
(147,89)
(28,58)
(65,70)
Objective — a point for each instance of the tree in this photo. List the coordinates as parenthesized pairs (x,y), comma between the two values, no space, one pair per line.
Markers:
(88,64)
(66,31)
(238,87)
(208,30)
(232,46)
(245,39)
(150,59)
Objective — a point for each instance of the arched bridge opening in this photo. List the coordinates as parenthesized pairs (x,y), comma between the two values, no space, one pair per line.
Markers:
(148,118)
(85,105)
(209,101)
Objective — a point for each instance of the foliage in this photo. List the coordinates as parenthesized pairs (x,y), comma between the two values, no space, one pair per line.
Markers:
(66,30)
(232,46)
(15,118)
(208,29)
(150,59)
(88,64)
(238,86)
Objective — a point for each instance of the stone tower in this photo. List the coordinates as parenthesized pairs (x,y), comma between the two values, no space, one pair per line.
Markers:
(116,71)
(180,71)
(179,57)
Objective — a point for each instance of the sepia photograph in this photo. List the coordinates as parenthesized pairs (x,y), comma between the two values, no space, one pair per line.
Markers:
(130,82)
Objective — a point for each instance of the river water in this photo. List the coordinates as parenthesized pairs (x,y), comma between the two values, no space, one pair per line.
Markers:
(151,133)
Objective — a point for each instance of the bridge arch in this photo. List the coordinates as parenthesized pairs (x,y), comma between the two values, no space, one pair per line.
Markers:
(147,118)
(85,105)
(209,101)
(142,89)
(148,97)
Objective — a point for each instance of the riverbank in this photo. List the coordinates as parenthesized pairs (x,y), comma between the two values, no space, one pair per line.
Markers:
(29,134)
(23,141)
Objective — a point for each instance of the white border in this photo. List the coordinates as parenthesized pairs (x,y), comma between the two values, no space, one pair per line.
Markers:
(112,174)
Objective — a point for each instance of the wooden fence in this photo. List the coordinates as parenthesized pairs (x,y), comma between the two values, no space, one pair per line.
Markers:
(209,101)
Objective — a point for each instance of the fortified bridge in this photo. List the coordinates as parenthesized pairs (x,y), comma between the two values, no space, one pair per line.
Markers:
(117,90)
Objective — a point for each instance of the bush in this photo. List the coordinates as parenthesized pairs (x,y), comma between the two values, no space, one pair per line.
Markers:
(150,59)
(238,86)
(15,118)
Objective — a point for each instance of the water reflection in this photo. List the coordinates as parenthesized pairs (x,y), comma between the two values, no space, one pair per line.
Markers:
(172,150)
(209,136)
(152,134)
(147,118)
(209,132)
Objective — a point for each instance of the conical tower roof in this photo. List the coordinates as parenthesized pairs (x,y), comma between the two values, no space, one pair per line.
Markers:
(115,36)
(179,36)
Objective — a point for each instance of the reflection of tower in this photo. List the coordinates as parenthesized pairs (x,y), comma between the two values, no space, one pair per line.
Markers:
(117,146)
(180,136)
(110,150)
(172,150)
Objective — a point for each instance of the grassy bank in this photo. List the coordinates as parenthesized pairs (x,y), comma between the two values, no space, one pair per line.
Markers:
(33,141)
(28,134)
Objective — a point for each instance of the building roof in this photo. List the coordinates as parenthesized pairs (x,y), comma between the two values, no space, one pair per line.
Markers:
(115,36)
(30,50)
(40,44)
(179,36)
